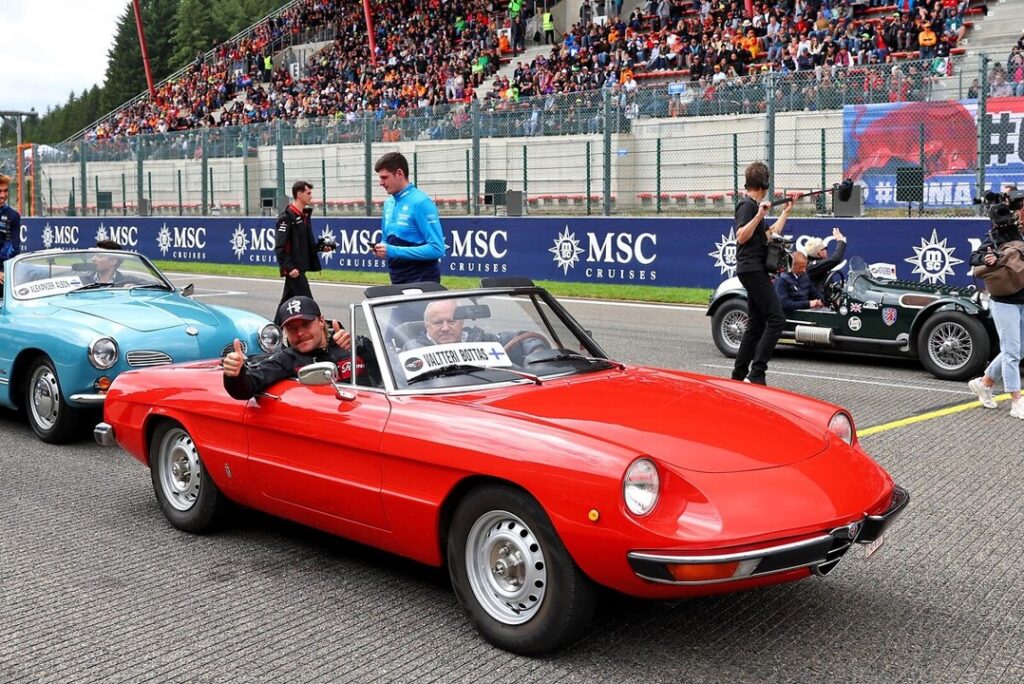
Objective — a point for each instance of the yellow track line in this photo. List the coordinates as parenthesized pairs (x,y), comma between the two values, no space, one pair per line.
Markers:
(875,429)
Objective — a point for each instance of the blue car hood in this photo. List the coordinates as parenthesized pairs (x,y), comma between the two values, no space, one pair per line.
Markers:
(143,314)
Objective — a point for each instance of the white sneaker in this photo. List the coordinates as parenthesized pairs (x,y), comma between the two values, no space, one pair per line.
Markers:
(1017,408)
(984,394)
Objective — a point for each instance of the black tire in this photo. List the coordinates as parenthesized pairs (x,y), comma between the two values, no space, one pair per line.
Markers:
(52,419)
(953,346)
(189,499)
(728,325)
(518,585)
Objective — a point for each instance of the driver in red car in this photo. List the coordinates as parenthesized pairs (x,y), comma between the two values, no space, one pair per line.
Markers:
(310,340)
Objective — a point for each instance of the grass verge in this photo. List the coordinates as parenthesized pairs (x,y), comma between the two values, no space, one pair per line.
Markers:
(631,293)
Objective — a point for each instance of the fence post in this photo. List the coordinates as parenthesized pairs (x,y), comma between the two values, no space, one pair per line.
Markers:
(139,194)
(415,167)
(204,165)
(525,178)
(181,209)
(920,147)
(735,167)
(588,178)
(213,199)
(282,198)
(149,186)
(85,179)
(124,196)
(49,182)
(36,194)
(821,198)
(245,189)
(983,137)
(323,184)
(96,185)
(368,159)
(607,199)
(657,178)
(474,113)
(769,134)
(469,197)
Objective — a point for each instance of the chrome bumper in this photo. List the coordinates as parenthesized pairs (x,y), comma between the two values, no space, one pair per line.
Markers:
(821,554)
(104,435)
(88,398)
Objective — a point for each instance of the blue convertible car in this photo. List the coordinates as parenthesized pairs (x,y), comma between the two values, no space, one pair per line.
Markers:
(70,321)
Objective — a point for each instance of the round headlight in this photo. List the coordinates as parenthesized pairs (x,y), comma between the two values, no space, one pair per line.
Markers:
(842,426)
(103,353)
(640,486)
(270,337)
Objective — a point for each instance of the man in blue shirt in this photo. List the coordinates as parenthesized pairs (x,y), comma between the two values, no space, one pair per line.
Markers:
(10,226)
(795,289)
(412,240)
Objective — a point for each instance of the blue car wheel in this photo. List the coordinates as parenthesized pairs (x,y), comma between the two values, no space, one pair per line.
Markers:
(50,416)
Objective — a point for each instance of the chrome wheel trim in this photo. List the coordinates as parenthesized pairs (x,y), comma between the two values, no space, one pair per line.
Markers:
(950,346)
(506,567)
(734,325)
(179,468)
(45,401)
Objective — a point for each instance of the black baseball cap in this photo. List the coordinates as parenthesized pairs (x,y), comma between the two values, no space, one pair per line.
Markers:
(297,307)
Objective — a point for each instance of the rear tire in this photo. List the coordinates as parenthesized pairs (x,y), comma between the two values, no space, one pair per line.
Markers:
(728,325)
(953,346)
(188,497)
(513,576)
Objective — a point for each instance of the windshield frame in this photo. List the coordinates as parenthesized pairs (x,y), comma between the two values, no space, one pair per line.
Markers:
(531,294)
(33,258)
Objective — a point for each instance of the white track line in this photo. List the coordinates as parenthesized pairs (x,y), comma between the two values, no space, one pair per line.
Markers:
(837,378)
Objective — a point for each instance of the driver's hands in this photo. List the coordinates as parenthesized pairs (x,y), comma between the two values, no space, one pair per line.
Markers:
(234,360)
(341,337)
(817,304)
(990,259)
(838,236)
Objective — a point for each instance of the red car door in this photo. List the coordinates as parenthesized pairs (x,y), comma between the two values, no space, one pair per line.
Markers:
(311,450)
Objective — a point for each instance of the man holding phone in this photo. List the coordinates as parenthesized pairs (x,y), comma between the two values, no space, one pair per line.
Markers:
(412,240)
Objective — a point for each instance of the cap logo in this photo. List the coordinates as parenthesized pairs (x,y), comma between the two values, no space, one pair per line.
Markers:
(294,306)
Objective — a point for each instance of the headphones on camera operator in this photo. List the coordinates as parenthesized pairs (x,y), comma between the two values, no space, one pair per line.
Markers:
(1006,276)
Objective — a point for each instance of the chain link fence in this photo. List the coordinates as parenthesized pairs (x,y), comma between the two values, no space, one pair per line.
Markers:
(667,149)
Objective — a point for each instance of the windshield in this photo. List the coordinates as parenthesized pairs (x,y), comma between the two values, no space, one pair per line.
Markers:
(49,274)
(460,341)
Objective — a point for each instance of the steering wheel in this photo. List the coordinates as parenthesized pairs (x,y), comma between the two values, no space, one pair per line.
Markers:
(523,337)
(834,288)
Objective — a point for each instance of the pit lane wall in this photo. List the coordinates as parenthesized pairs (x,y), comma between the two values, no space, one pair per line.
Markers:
(671,252)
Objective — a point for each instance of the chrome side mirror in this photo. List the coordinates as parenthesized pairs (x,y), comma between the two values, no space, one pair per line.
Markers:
(188,290)
(324,373)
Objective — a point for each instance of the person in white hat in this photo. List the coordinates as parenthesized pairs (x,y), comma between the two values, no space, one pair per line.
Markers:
(819,263)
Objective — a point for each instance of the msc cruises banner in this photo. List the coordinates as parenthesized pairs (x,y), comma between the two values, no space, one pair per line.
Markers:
(675,252)
(941,137)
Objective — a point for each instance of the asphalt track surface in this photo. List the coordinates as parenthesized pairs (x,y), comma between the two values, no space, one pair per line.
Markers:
(95,586)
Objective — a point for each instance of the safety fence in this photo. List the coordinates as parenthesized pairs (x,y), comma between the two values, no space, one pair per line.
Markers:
(911,138)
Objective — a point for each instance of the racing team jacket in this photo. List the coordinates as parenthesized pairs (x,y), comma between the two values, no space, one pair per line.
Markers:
(795,291)
(411,228)
(10,233)
(260,374)
(294,244)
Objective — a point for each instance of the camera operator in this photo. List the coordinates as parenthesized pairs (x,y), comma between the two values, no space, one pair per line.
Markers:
(766,319)
(1006,212)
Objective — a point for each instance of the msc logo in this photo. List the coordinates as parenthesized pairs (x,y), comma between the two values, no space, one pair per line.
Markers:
(255,239)
(479,244)
(178,238)
(59,235)
(933,260)
(725,254)
(621,248)
(355,241)
(126,236)
(614,249)
(566,250)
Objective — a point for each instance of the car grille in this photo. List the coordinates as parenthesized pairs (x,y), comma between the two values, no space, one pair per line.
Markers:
(228,348)
(842,540)
(143,359)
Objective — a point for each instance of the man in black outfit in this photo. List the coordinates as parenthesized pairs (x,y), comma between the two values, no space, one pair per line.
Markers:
(297,252)
(766,319)
(309,340)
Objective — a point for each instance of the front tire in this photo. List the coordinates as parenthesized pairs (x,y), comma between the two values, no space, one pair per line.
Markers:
(52,419)
(512,574)
(728,325)
(188,497)
(953,346)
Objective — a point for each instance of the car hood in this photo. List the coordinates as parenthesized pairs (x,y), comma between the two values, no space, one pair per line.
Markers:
(142,313)
(711,429)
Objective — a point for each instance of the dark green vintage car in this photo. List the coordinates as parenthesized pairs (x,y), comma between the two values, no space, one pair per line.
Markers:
(948,328)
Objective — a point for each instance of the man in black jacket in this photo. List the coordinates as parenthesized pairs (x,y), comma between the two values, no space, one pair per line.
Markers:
(819,263)
(310,340)
(297,252)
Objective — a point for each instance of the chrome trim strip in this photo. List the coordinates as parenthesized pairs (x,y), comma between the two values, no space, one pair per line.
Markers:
(88,398)
(729,557)
(754,575)
(103,433)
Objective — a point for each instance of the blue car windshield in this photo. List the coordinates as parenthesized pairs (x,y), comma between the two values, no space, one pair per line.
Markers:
(49,274)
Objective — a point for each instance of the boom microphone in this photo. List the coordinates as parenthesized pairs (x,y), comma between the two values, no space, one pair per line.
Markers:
(843,192)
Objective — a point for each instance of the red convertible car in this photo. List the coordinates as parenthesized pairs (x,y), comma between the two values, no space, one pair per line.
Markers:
(496,438)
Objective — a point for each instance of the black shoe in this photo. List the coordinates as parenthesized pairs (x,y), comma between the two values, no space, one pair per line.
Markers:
(757,381)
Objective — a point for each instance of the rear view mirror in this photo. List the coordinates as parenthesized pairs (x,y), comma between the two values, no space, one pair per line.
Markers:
(472,312)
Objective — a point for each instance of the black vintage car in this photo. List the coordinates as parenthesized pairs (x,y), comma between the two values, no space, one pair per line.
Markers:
(948,328)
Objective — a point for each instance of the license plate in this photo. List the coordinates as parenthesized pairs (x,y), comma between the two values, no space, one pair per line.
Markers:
(870,548)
